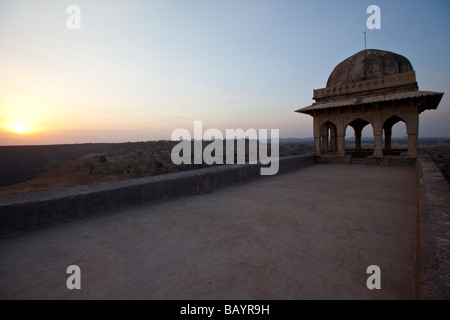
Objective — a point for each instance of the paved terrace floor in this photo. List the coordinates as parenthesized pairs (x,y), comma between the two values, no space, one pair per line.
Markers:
(308,234)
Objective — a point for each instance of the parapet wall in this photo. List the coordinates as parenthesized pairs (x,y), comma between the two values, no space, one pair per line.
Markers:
(433,231)
(30,211)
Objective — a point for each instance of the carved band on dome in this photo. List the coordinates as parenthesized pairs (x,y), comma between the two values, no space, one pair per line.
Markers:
(387,82)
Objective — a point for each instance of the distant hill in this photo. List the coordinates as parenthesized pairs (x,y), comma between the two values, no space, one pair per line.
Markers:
(19,162)
(297,141)
(82,163)
(35,168)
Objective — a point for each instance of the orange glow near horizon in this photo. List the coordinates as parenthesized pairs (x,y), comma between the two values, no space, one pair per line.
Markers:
(25,123)
(24,116)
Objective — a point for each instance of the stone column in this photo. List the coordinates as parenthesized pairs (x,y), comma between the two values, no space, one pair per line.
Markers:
(340,136)
(324,138)
(412,128)
(412,146)
(387,140)
(341,146)
(317,146)
(378,146)
(377,136)
(377,139)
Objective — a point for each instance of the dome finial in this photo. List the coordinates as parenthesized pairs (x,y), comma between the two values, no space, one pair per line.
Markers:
(365,43)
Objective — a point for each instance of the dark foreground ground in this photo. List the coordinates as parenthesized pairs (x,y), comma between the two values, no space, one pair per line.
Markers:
(309,234)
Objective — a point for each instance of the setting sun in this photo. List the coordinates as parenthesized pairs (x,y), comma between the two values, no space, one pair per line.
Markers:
(20,128)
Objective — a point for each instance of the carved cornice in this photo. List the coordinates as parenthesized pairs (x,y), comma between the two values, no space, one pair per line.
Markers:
(387,83)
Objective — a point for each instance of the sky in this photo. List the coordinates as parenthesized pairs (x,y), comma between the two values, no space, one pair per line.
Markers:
(137,70)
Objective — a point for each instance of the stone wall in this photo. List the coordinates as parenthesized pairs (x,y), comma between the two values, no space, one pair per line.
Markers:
(433,246)
(30,211)
(348,159)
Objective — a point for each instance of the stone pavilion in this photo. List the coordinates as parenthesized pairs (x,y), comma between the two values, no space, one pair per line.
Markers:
(372,87)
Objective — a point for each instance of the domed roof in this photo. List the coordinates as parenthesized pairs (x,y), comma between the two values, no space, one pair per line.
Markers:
(368,64)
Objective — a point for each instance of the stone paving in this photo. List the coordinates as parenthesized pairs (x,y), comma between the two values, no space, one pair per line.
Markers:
(308,234)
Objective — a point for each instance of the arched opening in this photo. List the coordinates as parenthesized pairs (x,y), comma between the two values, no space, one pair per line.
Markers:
(361,146)
(394,126)
(328,136)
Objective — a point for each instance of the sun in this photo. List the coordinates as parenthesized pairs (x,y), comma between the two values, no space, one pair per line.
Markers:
(20,128)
